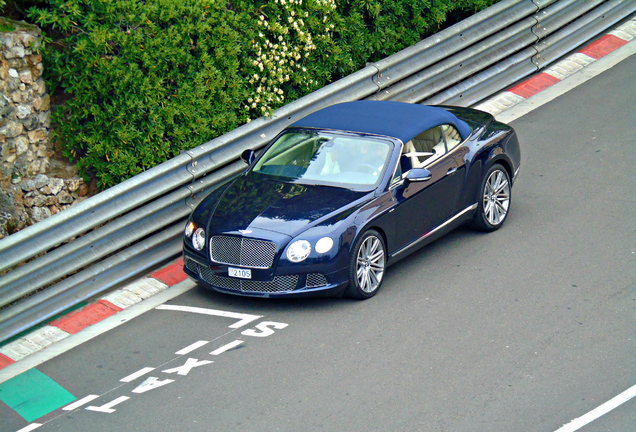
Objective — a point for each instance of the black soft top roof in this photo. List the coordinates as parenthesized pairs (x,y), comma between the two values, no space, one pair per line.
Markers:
(395,119)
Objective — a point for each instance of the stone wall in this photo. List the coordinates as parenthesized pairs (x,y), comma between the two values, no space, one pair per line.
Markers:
(29,192)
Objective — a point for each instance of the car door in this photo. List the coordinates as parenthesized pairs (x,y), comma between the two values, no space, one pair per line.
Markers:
(423,205)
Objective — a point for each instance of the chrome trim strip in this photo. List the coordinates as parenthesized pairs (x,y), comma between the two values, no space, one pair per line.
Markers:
(516,172)
(436,229)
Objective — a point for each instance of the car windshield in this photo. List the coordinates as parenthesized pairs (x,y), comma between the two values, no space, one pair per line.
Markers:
(318,157)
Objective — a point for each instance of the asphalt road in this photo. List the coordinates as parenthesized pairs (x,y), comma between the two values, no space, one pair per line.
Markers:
(523,329)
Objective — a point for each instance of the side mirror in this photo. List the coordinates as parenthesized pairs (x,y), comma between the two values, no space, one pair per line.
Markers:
(418,175)
(248,156)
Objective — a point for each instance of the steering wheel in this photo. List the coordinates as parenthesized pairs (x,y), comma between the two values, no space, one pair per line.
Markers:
(369,167)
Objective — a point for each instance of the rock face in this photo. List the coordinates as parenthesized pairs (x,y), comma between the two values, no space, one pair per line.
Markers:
(29,191)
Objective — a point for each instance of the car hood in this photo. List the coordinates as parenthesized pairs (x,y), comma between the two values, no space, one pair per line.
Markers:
(288,208)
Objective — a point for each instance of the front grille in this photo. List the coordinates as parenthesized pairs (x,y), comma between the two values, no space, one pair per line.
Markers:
(315,280)
(242,251)
(279,284)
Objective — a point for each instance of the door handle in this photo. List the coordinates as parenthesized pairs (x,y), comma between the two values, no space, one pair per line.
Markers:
(451,171)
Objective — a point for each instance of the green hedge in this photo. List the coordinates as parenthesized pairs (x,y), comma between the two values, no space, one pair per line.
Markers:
(144,80)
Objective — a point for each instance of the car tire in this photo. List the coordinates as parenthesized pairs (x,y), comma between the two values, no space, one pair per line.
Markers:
(367,266)
(494,200)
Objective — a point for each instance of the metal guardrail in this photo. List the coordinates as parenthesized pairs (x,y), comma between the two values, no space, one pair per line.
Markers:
(131,228)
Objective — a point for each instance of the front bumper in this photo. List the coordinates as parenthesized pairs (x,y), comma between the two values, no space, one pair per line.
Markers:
(289,285)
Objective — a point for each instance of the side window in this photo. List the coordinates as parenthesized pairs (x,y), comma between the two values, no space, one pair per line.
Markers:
(452,136)
(425,148)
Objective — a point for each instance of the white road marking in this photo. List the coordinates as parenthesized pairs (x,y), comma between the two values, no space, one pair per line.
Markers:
(265,329)
(192,347)
(244,319)
(150,384)
(30,427)
(226,347)
(93,331)
(80,402)
(137,374)
(611,404)
(108,408)
(190,364)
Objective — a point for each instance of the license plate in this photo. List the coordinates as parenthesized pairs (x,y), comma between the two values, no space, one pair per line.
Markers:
(239,273)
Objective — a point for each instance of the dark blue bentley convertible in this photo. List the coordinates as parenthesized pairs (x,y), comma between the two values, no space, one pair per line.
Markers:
(339,195)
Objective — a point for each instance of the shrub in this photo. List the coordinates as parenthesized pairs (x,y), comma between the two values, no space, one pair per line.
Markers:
(146,79)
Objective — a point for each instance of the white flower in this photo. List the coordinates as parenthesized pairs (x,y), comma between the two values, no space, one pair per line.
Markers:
(250,100)
(280,38)
(254,105)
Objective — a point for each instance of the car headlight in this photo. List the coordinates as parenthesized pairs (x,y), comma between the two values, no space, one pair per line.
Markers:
(198,239)
(189,229)
(324,245)
(298,251)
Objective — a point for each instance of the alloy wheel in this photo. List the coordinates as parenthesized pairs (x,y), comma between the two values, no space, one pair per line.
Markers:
(496,200)
(370,264)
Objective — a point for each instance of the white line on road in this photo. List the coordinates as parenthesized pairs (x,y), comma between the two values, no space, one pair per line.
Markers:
(578,423)
(89,333)
(137,374)
(108,408)
(244,319)
(30,427)
(192,347)
(226,347)
(80,402)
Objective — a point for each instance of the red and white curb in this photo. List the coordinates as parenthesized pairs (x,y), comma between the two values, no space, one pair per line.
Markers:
(78,320)
(563,69)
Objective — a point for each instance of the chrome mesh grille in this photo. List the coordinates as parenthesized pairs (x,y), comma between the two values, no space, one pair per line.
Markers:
(242,251)
(279,284)
(315,280)
(192,265)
